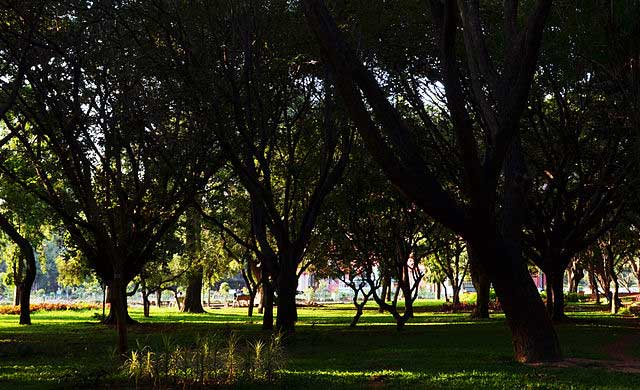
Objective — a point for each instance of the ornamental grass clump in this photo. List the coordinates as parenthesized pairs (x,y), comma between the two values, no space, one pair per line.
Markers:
(212,360)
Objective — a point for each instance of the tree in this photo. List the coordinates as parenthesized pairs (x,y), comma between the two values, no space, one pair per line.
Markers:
(450,258)
(276,119)
(114,149)
(612,251)
(376,237)
(22,219)
(193,295)
(579,143)
(500,93)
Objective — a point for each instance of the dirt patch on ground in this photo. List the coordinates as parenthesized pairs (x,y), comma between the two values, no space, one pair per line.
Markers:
(619,359)
(610,365)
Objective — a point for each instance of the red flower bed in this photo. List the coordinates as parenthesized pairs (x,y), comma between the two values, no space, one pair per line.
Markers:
(10,309)
(467,307)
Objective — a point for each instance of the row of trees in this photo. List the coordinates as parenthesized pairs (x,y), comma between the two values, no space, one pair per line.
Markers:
(122,120)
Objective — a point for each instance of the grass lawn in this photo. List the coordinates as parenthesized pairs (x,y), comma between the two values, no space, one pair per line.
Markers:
(435,351)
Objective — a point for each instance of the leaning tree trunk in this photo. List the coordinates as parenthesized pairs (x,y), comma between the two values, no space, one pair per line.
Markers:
(533,336)
(359,307)
(446,293)
(252,300)
(385,287)
(287,285)
(593,284)
(356,317)
(193,295)
(25,276)
(16,294)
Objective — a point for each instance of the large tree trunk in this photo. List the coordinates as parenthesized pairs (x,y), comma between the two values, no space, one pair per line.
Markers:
(593,284)
(261,303)
(556,279)
(119,306)
(111,318)
(145,302)
(252,300)
(533,336)
(482,285)
(193,296)
(615,299)
(548,288)
(287,285)
(456,295)
(267,306)
(27,283)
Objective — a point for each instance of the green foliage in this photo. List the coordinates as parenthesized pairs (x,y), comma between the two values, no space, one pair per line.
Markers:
(224,288)
(575,297)
(72,268)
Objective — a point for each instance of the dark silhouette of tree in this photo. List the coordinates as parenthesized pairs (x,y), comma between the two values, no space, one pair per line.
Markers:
(116,154)
(486,143)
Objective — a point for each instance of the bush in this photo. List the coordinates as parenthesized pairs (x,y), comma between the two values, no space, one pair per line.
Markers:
(213,360)
(10,309)
(575,297)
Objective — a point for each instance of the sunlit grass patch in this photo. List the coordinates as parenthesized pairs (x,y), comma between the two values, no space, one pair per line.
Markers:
(434,351)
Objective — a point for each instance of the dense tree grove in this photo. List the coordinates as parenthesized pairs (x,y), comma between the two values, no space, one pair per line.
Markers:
(165,145)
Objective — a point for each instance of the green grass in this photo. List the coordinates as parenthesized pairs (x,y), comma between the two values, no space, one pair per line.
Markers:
(435,351)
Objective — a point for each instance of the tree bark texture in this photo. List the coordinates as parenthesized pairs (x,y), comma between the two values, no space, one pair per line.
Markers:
(193,296)
(287,285)
(267,306)
(482,286)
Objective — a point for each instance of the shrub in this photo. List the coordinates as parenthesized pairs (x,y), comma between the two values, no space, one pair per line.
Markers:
(213,360)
